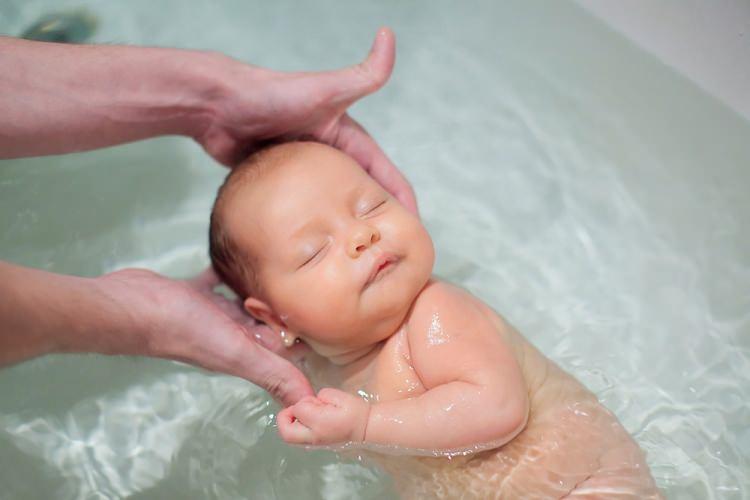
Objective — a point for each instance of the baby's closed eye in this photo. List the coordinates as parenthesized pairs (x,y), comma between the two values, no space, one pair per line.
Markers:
(372,207)
(312,252)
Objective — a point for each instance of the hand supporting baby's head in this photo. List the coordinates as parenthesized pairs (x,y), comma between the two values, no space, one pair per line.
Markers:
(317,249)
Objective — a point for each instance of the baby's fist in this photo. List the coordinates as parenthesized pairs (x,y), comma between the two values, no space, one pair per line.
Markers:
(333,417)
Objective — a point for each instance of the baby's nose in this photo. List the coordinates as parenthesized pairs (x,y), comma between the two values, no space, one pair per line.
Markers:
(363,237)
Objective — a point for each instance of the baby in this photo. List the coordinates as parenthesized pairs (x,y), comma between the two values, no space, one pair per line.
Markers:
(426,372)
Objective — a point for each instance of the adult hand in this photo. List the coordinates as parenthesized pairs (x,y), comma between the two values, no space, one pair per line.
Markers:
(138,312)
(60,98)
(187,321)
(256,105)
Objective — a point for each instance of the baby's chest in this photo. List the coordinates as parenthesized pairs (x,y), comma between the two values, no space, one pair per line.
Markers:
(392,376)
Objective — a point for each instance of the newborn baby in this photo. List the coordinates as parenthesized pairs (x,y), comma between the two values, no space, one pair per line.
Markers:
(425,371)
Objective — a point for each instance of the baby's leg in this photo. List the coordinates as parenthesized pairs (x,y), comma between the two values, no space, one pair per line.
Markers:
(581,451)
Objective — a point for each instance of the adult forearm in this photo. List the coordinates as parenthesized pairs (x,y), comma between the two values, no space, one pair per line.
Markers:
(42,312)
(57,98)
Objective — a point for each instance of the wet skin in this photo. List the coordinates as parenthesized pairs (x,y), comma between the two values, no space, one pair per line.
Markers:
(345,268)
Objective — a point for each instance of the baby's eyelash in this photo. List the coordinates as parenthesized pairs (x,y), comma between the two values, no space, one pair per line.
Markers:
(312,256)
(375,207)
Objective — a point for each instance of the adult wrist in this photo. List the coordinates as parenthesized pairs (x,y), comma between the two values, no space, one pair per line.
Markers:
(112,325)
(43,313)
(145,92)
(190,90)
(86,317)
(212,82)
(175,91)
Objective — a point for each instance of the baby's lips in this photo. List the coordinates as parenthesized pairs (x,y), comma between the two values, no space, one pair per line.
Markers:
(380,262)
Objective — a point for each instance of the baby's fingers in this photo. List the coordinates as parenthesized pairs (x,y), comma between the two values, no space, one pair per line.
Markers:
(292,430)
(312,412)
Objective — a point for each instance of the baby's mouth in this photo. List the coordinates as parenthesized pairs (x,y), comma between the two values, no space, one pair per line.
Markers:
(383,265)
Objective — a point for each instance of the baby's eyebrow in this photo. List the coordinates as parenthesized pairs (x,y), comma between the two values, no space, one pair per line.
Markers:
(355,195)
(301,229)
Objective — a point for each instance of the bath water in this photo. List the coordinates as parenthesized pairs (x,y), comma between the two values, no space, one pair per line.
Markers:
(587,192)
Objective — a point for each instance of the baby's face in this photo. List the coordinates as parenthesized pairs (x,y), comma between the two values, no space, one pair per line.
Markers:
(339,261)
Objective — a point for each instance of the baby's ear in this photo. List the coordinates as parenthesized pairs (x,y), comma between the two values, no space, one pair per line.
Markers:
(263,312)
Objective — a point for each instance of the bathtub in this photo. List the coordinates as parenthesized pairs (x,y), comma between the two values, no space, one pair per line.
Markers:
(585,190)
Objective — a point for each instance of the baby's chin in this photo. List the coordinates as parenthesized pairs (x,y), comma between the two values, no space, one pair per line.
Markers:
(378,322)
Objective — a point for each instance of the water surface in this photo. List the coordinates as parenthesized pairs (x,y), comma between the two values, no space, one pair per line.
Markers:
(591,195)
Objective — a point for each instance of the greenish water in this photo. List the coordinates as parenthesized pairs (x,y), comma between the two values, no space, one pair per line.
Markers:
(583,189)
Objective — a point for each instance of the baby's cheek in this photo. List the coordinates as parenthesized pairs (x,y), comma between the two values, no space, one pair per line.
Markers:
(421,251)
(324,303)
(427,249)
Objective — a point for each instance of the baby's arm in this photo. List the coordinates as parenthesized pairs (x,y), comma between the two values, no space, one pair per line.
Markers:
(476,395)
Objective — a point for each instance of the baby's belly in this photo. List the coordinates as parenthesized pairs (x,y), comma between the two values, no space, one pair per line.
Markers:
(578,451)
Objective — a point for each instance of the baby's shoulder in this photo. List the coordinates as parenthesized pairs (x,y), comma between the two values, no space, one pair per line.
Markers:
(441,295)
(452,335)
(444,313)
(443,304)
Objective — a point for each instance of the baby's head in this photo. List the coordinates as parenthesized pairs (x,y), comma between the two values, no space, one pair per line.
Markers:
(317,249)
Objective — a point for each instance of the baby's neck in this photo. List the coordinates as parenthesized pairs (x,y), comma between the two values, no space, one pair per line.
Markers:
(356,373)
(352,363)
(386,330)
(343,370)
(352,357)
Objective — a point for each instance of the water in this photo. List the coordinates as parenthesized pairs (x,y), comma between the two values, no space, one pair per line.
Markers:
(582,188)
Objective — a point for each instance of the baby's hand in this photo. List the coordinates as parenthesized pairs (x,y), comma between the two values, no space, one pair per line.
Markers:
(333,417)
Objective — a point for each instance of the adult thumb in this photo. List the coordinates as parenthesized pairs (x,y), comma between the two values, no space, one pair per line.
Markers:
(349,84)
(284,381)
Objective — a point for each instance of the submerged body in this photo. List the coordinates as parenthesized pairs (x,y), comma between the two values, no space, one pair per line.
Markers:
(412,365)
(571,445)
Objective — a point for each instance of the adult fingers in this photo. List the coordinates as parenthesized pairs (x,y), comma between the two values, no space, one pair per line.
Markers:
(269,339)
(346,85)
(232,308)
(310,412)
(276,375)
(221,146)
(354,140)
(206,280)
